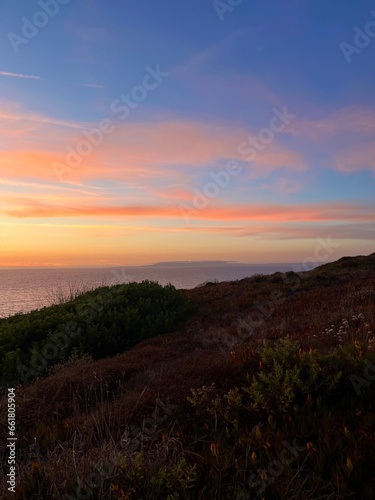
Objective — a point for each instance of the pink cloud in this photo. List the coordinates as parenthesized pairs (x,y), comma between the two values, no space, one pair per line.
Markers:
(287,186)
(355,159)
(145,147)
(28,164)
(27,208)
(353,119)
(33,144)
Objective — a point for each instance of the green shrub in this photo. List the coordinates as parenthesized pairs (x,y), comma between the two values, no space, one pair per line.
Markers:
(286,373)
(100,323)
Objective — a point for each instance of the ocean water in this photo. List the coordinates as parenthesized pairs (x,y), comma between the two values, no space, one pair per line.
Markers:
(23,290)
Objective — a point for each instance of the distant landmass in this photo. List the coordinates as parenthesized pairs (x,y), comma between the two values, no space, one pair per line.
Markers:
(194,263)
(207,263)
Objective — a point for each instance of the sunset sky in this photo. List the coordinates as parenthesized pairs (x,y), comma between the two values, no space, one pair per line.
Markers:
(139,132)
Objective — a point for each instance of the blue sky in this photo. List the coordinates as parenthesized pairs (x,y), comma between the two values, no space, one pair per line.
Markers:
(228,69)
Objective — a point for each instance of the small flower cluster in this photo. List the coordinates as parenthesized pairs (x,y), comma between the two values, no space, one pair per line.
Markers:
(357,318)
(357,327)
(343,330)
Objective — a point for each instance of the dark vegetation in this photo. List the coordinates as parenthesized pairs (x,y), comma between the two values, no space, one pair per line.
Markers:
(266,390)
(100,323)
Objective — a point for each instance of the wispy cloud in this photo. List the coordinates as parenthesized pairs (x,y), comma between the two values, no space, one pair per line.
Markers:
(180,150)
(92,85)
(318,212)
(187,144)
(48,187)
(20,75)
(356,158)
(14,112)
(361,231)
(35,77)
(283,185)
(352,119)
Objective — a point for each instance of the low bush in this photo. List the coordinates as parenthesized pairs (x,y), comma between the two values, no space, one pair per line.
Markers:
(100,323)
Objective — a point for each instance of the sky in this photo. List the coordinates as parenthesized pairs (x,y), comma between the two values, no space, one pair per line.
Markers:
(140,132)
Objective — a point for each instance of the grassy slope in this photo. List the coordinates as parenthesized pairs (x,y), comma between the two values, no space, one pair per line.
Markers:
(73,420)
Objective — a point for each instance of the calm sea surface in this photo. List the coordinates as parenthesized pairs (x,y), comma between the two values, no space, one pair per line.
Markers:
(22,290)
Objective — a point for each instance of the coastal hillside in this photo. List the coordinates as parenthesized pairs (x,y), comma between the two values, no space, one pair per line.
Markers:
(258,388)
